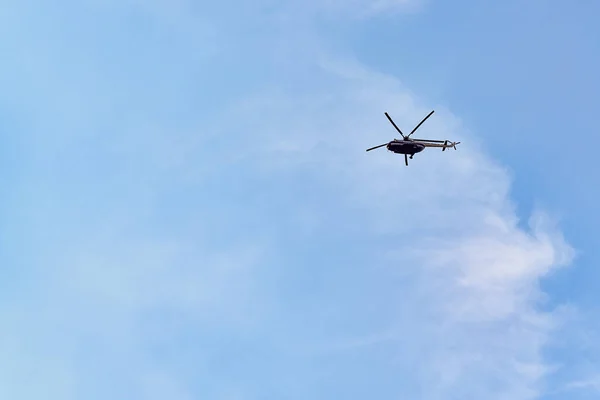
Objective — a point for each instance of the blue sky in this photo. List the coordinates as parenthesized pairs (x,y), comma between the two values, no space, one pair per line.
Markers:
(188,210)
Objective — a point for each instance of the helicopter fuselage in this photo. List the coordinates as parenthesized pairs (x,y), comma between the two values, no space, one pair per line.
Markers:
(405,147)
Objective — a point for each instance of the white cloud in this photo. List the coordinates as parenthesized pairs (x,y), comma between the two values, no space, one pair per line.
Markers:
(460,274)
(588,384)
(466,319)
(473,273)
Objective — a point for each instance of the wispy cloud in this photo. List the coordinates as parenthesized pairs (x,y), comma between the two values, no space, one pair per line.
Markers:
(588,384)
(468,307)
(257,250)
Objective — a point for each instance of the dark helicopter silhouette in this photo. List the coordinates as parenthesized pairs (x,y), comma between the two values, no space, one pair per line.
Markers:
(411,147)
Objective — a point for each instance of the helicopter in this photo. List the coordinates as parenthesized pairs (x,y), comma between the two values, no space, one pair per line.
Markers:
(411,147)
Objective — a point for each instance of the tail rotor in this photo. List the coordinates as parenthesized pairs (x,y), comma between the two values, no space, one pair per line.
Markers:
(449,144)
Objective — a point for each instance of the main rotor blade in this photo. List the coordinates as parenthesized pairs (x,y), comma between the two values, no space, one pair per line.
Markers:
(420,123)
(376,147)
(390,118)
